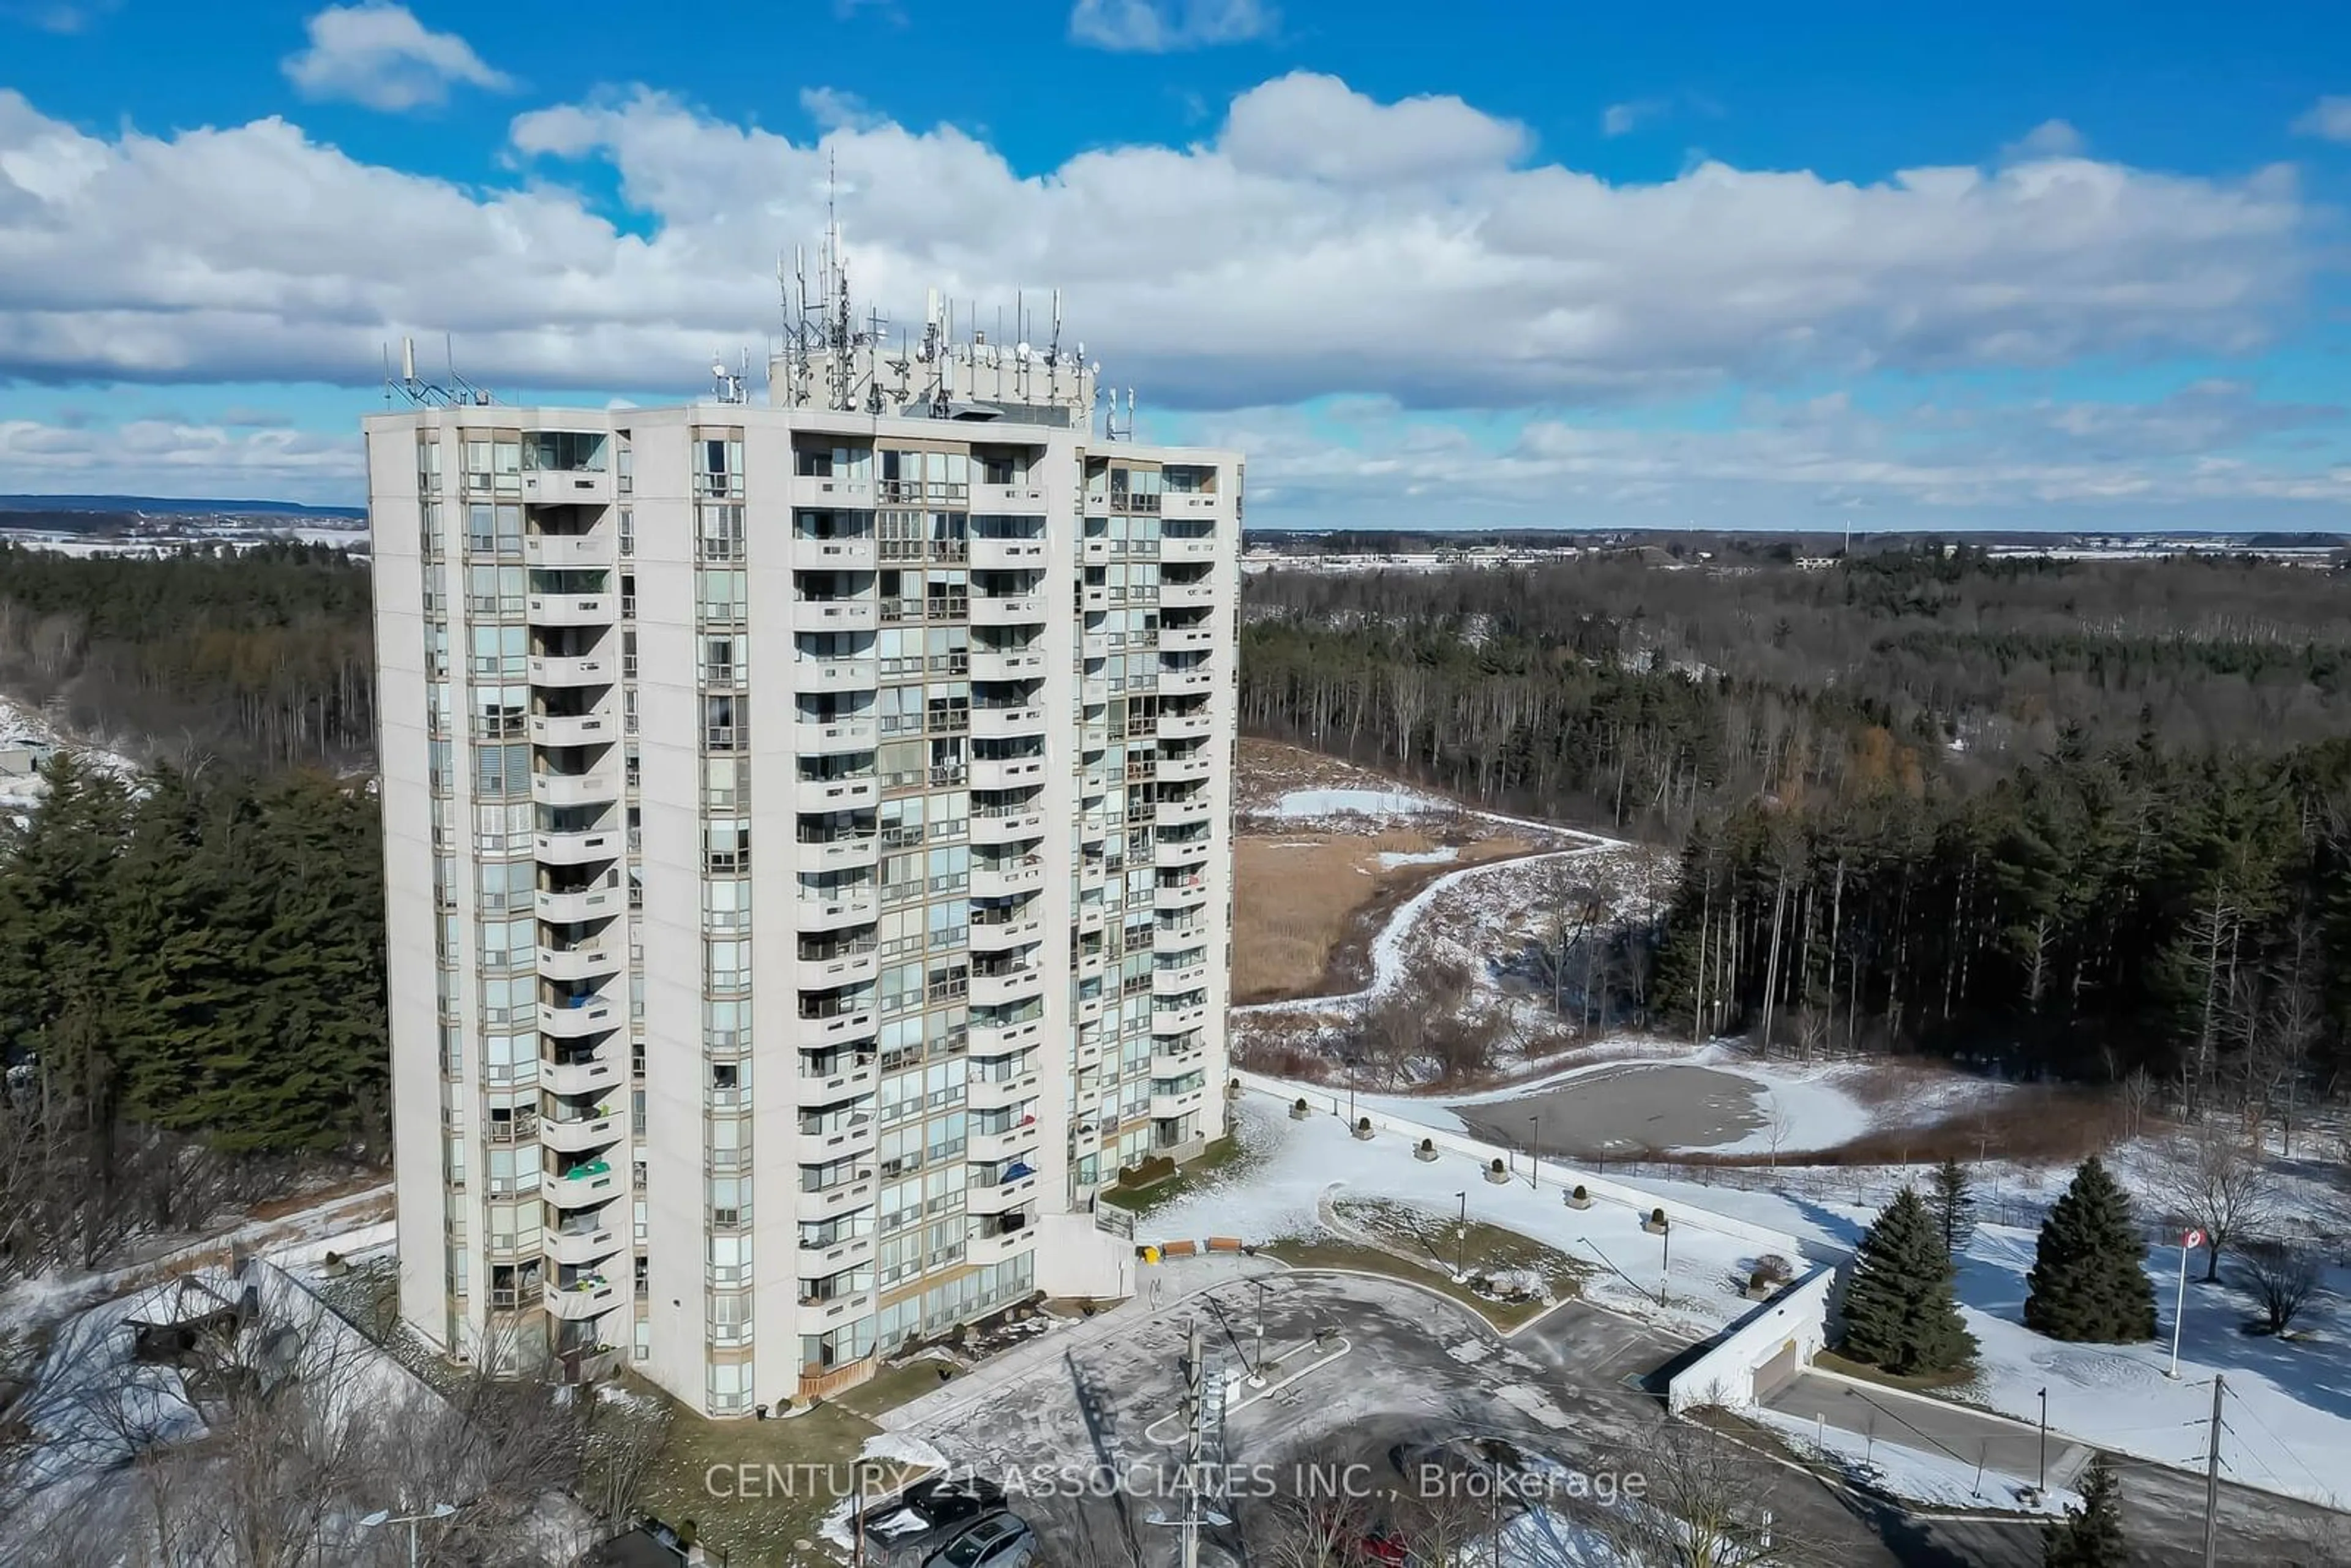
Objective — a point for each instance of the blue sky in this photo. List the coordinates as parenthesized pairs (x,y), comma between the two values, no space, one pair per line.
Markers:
(1487,264)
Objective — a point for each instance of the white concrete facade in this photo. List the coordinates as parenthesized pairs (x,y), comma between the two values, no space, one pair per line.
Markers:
(808,851)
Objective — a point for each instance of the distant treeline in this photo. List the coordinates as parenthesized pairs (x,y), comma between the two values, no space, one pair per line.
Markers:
(2088,817)
(263,655)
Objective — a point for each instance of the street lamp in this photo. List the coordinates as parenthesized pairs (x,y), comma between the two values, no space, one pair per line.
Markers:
(1461,1240)
(1534,1139)
(2044,1439)
(384,1516)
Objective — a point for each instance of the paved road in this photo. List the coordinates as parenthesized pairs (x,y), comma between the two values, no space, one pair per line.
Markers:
(1931,1425)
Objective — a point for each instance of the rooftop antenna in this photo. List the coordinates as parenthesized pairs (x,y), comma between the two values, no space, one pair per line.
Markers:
(424,393)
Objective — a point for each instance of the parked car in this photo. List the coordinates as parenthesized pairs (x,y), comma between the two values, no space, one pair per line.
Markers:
(906,1529)
(996,1541)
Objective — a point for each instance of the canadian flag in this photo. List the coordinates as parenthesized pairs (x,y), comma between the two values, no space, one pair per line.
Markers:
(2192,1239)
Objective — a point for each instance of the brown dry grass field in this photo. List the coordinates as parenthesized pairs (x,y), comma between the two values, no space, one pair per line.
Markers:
(1305,904)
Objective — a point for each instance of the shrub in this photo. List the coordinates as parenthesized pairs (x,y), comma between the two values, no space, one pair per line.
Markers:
(1580,1193)
(1428,1145)
(1657,1218)
(1772,1269)
(1299,1103)
(1497,1166)
(1363,1123)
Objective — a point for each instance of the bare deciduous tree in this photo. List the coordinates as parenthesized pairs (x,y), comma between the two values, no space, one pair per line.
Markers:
(2221,1184)
(2283,1276)
(1706,1502)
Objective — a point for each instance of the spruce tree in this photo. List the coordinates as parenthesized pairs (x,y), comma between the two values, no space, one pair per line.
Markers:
(2091,1535)
(2086,1282)
(1899,1312)
(1954,1203)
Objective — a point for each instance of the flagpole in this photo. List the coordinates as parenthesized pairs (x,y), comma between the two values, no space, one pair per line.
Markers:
(2179,1307)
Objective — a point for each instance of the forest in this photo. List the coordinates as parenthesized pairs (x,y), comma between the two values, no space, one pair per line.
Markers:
(2086,819)
(192,1001)
(263,657)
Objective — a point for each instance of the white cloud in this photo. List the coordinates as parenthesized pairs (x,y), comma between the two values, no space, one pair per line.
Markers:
(1319,241)
(2329,117)
(57,16)
(2050,139)
(382,56)
(1624,119)
(1161,27)
(833,109)
(168,457)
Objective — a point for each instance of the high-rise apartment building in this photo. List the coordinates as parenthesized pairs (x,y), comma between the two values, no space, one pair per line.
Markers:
(806,854)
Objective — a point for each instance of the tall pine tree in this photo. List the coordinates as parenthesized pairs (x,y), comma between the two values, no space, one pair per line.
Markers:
(2086,1282)
(1953,1199)
(1899,1312)
(2091,1535)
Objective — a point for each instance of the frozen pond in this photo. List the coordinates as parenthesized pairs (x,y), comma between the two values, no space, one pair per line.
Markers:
(1621,1111)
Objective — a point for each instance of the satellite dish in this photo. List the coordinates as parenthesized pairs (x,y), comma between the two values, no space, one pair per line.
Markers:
(719,369)
(1020,353)
(1095,367)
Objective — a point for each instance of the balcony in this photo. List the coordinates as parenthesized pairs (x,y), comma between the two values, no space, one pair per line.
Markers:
(846,968)
(595,787)
(1180,814)
(1019,609)
(833,737)
(842,1074)
(569,1079)
(817,796)
(1170,855)
(988,1148)
(843,851)
(1190,769)
(1006,772)
(1006,878)
(857,1141)
(1004,1039)
(1176,982)
(1187,548)
(581,1136)
(1187,640)
(582,1017)
(1186,726)
(835,674)
(1176,1063)
(582,962)
(584,903)
(571,608)
(834,614)
(995,936)
(567,487)
(580,670)
(828,493)
(835,908)
(1185,680)
(578,1248)
(832,554)
(597,1181)
(1177,1020)
(1184,893)
(572,551)
(1093,645)
(1006,988)
(1006,555)
(588,1297)
(1007,663)
(841,1198)
(985,1247)
(1002,723)
(846,1252)
(821,1317)
(577,849)
(980,1198)
(999,1093)
(1026,499)
(996,825)
(572,729)
(835,1024)
(1199,595)
(1167,1107)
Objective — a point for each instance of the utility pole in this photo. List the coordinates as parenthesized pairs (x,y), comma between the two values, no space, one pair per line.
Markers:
(1194,1381)
(1534,1160)
(1461,1238)
(1257,1368)
(2211,1478)
(2044,1439)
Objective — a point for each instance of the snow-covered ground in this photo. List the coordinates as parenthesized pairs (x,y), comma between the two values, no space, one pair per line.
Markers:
(22,725)
(1937,1480)
(1295,1167)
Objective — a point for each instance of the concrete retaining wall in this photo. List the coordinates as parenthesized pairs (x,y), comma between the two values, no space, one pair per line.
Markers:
(1798,1318)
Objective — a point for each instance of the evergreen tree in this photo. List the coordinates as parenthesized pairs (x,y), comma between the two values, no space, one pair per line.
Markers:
(1899,1312)
(1953,1201)
(2091,1535)
(2086,1282)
